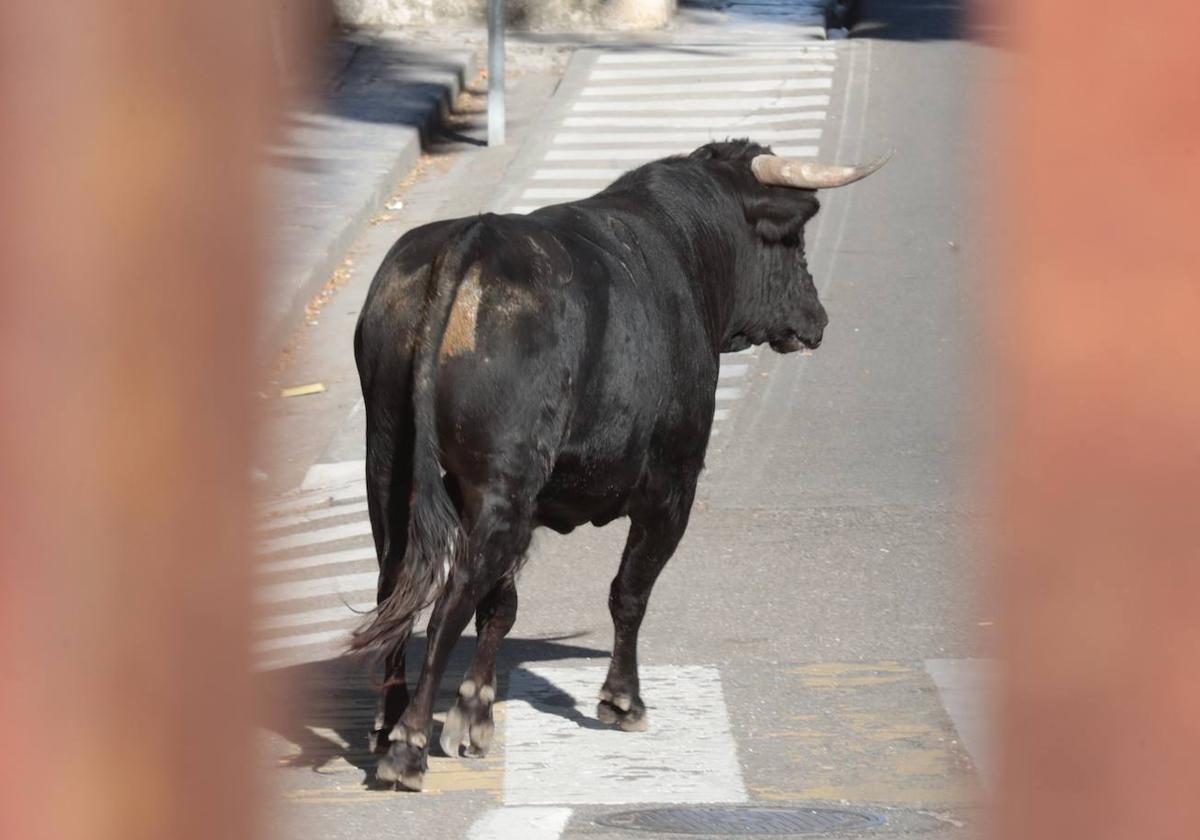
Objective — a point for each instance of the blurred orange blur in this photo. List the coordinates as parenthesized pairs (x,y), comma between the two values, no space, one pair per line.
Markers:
(129,263)
(1093,312)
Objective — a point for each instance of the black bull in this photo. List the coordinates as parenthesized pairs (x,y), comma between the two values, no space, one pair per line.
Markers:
(556,369)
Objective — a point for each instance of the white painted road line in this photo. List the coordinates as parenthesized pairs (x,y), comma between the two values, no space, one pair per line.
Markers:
(313,500)
(332,558)
(624,153)
(694,87)
(321,616)
(819,53)
(738,67)
(318,638)
(310,516)
(724,394)
(556,753)
(698,137)
(520,824)
(339,474)
(738,104)
(605,175)
(335,585)
(336,532)
(646,155)
(966,686)
(562,193)
(714,123)
(732,371)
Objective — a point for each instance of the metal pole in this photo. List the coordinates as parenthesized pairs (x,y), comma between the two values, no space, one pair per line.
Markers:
(495,109)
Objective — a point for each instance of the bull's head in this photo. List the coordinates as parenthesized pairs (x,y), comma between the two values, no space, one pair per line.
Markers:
(777,301)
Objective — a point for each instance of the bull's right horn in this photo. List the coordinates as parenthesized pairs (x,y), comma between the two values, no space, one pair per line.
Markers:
(777,171)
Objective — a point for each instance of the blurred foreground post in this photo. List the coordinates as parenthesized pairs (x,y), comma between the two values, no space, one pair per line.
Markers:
(495,100)
(128,273)
(1095,323)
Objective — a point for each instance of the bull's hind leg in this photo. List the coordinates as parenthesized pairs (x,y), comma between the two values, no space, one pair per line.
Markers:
(656,526)
(498,540)
(470,719)
(394,699)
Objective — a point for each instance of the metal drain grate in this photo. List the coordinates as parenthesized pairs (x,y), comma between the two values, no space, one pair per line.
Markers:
(741,821)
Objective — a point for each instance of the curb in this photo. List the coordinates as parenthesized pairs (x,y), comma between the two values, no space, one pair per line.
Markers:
(281,323)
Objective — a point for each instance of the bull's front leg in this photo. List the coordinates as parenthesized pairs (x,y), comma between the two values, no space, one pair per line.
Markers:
(653,537)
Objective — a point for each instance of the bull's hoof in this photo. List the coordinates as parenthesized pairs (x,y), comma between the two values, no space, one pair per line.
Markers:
(628,713)
(470,721)
(404,764)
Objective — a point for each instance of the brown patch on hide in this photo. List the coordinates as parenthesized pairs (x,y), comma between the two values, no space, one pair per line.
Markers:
(459,337)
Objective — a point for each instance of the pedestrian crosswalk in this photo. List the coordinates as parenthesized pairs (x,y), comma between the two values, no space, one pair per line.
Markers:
(888,736)
(636,106)
(315,567)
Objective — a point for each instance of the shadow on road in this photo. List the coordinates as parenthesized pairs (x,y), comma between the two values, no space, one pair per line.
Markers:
(327,708)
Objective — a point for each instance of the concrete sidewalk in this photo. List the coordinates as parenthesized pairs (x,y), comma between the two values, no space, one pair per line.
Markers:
(341,157)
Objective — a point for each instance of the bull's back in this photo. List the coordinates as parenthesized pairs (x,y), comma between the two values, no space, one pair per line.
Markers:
(565,351)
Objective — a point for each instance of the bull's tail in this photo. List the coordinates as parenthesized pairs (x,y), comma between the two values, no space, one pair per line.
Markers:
(435,537)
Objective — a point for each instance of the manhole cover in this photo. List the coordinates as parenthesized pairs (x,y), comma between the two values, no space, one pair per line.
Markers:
(741,821)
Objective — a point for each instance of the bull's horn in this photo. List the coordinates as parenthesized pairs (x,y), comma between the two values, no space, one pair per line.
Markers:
(790,172)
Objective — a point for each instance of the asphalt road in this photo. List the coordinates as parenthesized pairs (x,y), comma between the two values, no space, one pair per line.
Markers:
(818,639)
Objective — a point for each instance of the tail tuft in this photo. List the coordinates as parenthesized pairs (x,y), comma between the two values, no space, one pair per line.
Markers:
(435,544)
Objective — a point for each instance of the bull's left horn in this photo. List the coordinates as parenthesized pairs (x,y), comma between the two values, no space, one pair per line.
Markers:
(789,172)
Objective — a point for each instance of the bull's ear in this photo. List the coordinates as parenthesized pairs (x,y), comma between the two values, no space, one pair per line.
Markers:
(780,214)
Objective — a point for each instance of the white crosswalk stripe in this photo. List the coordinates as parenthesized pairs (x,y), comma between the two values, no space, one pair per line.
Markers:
(657,88)
(312,499)
(278,523)
(698,137)
(705,57)
(352,584)
(713,69)
(713,123)
(269,645)
(321,616)
(577,174)
(330,534)
(651,150)
(310,561)
(712,103)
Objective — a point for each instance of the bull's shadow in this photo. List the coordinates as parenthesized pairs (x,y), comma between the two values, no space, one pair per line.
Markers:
(327,708)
